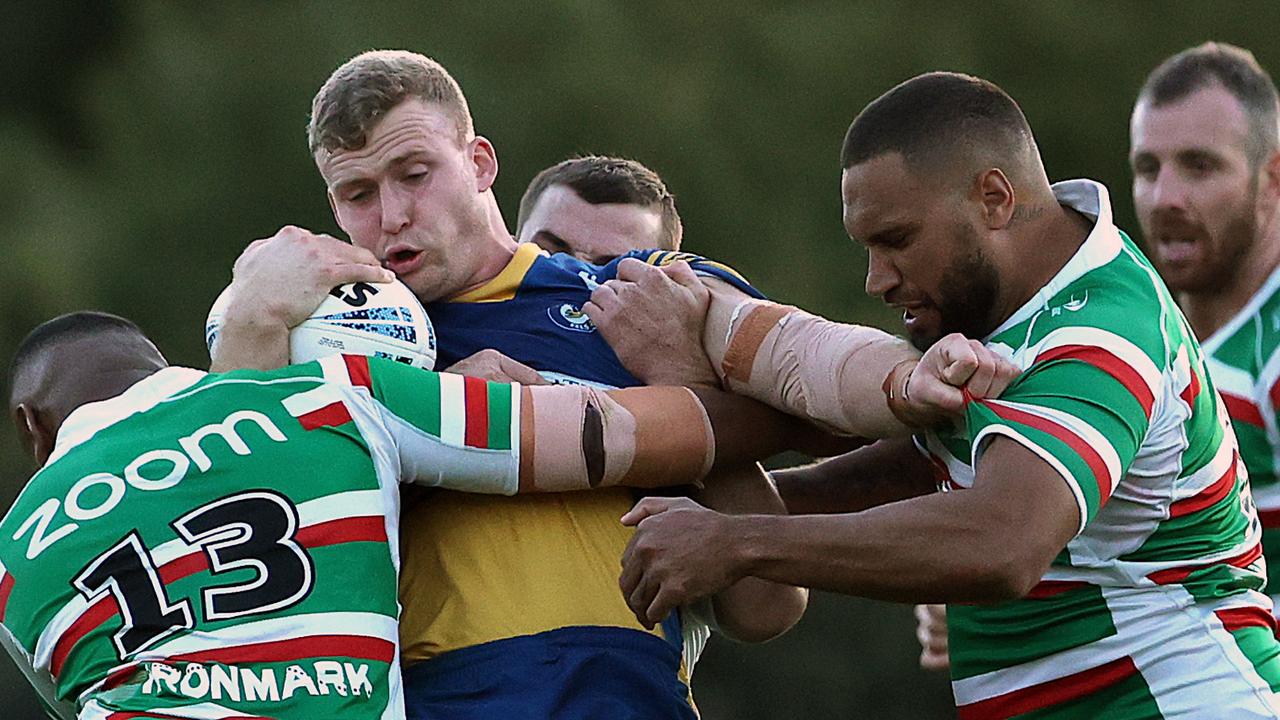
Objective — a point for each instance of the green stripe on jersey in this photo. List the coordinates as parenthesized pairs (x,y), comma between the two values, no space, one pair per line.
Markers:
(408,392)
(1024,630)
(500,415)
(1259,645)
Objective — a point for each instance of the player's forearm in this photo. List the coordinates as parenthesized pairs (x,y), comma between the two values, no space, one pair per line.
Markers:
(795,361)
(253,342)
(940,548)
(751,610)
(885,472)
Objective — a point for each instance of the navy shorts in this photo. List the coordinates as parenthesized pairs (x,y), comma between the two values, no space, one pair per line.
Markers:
(574,673)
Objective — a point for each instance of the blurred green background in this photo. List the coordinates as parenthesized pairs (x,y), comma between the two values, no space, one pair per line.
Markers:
(143,144)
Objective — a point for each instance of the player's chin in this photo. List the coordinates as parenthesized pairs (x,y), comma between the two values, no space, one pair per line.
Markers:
(427,283)
(923,332)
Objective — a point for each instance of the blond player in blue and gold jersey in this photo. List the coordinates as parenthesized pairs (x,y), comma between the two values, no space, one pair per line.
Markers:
(511,607)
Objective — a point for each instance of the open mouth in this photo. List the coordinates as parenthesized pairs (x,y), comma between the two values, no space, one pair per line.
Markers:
(1176,249)
(402,260)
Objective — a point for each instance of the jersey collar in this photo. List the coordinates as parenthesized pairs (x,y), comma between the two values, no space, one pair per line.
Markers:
(503,286)
(87,420)
(1103,244)
(1245,314)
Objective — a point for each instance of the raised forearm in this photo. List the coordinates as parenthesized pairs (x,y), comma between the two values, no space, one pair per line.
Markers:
(828,372)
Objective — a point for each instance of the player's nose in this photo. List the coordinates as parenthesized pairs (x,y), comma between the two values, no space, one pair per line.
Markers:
(882,275)
(1169,191)
(397,210)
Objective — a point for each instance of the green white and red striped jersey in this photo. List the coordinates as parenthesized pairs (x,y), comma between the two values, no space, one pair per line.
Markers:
(1115,397)
(1244,361)
(212,546)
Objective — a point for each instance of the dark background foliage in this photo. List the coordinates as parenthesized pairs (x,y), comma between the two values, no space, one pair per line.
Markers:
(143,144)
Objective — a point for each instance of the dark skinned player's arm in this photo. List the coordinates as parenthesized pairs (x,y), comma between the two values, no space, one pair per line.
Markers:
(751,610)
(991,542)
(880,473)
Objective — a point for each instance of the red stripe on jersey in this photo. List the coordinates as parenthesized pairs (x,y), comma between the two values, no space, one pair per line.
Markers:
(476,394)
(1270,518)
(97,614)
(371,528)
(1242,409)
(1208,496)
(358,370)
(1050,588)
(330,415)
(1178,574)
(1046,694)
(1242,617)
(1108,362)
(6,588)
(1101,476)
(360,647)
(184,566)
(1192,390)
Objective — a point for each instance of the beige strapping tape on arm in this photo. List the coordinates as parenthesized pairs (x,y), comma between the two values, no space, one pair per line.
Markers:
(650,437)
(809,366)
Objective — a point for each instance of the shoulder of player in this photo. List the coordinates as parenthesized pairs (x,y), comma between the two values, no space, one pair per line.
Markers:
(1118,327)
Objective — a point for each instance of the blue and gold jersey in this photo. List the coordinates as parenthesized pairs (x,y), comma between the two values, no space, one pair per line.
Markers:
(532,312)
(478,569)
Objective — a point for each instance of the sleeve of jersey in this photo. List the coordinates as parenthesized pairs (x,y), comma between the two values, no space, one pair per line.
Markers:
(1082,409)
(449,431)
(700,265)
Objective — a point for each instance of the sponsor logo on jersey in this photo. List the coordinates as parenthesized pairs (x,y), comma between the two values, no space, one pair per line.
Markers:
(241,684)
(165,467)
(570,317)
(1075,303)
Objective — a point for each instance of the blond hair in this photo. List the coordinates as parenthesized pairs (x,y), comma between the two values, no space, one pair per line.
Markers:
(365,88)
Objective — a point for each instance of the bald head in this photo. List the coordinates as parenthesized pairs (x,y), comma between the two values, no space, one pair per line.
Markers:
(947,127)
(70,361)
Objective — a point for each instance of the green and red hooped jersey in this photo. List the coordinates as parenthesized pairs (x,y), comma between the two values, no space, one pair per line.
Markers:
(1243,357)
(226,545)
(1115,397)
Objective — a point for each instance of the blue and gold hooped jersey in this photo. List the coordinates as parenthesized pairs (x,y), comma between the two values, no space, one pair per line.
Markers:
(532,312)
(483,568)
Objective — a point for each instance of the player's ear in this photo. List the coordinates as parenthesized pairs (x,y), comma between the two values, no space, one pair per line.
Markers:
(36,439)
(996,195)
(1271,175)
(333,207)
(485,160)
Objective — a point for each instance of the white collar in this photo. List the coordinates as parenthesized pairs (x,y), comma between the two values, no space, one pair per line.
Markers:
(87,420)
(1244,314)
(1091,199)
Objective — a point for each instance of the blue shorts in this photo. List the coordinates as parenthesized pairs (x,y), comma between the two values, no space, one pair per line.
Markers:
(574,673)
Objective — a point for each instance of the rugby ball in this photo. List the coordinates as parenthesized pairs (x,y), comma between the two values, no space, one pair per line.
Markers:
(376,319)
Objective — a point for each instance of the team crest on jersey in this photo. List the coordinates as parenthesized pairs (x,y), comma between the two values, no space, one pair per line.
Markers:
(571,317)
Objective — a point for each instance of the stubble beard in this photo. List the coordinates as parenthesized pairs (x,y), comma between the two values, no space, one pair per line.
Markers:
(966,298)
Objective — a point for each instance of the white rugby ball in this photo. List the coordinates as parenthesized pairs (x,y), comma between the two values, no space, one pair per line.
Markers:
(376,319)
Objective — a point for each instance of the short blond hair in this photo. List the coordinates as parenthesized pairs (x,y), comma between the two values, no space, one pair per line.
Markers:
(365,88)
